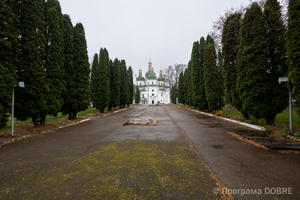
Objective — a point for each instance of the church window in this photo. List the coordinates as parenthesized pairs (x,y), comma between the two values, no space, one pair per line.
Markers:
(143,95)
(152,90)
(140,83)
(161,94)
(152,82)
(153,95)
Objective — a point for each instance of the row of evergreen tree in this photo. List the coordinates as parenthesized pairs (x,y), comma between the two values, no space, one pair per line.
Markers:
(201,84)
(257,49)
(111,82)
(40,46)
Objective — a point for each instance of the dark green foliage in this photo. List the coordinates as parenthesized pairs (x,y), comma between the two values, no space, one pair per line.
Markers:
(212,86)
(69,96)
(108,75)
(187,75)
(95,77)
(130,86)
(230,47)
(54,59)
(81,72)
(115,82)
(293,48)
(196,73)
(181,90)
(203,102)
(124,91)
(31,100)
(8,44)
(174,94)
(275,38)
(220,80)
(101,96)
(110,68)
(254,78)
(137,96)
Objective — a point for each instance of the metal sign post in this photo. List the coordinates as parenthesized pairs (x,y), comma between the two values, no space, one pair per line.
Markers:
(286,79)
(20,84)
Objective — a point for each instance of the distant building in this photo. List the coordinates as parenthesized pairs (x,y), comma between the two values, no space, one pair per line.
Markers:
(152,89)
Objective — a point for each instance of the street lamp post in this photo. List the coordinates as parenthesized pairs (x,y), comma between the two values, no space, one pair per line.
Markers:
(19,84)
(286,79)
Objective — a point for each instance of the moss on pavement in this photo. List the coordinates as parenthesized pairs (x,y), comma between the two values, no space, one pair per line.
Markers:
(120,170)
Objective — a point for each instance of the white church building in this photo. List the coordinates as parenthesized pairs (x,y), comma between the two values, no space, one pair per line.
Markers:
(152,89)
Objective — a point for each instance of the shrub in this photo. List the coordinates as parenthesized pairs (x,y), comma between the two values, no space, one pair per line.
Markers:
(219,112)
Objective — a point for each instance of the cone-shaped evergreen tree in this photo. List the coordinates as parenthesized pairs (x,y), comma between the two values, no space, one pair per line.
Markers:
(187,87)
(230,46)
(252,76)
(8,58)
(130,86)
(95,77)
(81,71)
(203,102)
(196,70)
(293,48)
(220,80)
(124,96)
(115,82)
(211,79)
(110,68)
(101,97)
(31,100)
(137,98)
(69,96)
(275,38)
(54,60)
(181,89)
(108,76)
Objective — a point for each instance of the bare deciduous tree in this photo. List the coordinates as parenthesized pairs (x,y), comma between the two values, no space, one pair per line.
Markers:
(217,27)
(171,74)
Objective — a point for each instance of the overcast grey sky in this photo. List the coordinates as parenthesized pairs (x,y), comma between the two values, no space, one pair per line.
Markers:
(135,30)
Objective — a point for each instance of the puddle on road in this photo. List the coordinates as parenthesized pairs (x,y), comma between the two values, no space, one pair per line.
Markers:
(218,146)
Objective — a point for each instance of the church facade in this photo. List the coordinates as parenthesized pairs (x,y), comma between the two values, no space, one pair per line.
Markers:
(152,89)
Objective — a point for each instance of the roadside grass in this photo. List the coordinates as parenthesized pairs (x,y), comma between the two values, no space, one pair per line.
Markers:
(119,170)
(282,119)
(49,119)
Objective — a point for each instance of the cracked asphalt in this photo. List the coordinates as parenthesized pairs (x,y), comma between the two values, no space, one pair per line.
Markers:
(249,172)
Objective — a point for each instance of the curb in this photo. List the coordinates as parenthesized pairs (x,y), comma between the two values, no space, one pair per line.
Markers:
(10,140)
(237,122)
(230,120)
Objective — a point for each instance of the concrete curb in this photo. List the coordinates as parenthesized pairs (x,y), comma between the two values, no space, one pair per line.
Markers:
(10,140)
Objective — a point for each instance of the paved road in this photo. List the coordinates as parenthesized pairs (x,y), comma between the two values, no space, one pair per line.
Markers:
(238,165)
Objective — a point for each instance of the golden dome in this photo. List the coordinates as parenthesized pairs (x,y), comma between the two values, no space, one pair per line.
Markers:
(151,68)
(149,62)
(160,70)
(140,70)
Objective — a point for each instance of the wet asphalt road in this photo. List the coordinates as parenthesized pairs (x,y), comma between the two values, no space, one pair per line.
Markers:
(240,166)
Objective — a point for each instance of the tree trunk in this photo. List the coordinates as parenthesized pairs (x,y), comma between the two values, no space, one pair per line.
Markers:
(72,116)
(102,110)
(43,120)
(270,120)
(35,122)
(246,115)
